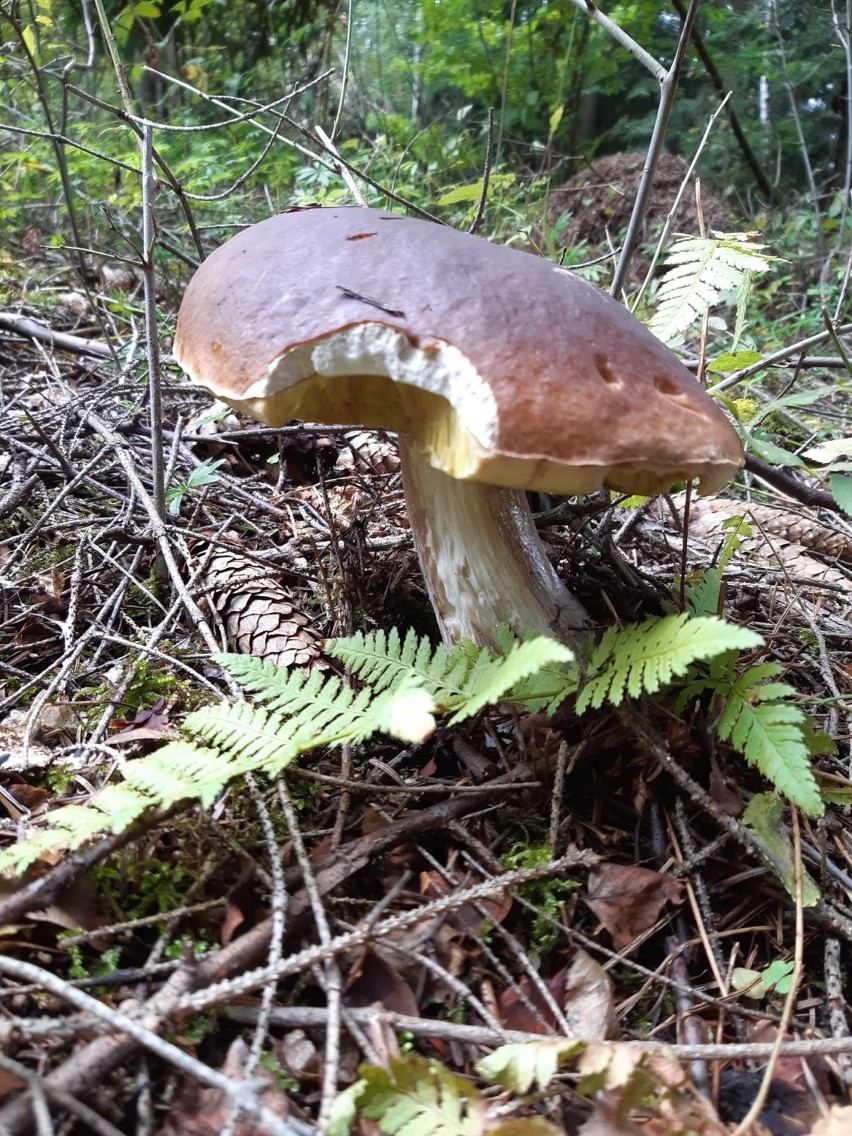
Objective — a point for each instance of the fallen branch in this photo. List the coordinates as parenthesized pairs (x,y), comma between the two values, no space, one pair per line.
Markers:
(30,329)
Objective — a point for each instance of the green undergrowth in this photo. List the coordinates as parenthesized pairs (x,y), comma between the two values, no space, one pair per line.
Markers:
(401,685)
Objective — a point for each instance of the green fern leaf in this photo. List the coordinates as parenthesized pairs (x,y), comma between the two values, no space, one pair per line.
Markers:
(649,655)
(119,806)
(700,270)
(461,681)
(417,1097)
(179,771)
(492,679)
(515,1067)
(383,661)
(771,734)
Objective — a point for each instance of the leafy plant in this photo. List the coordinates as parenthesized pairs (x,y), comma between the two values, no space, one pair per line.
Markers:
(203,474)
(701,271)
(414,1096)
(836,455)
(407,682)
(776,978)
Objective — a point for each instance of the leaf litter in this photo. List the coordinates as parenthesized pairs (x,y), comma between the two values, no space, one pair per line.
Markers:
(99,663)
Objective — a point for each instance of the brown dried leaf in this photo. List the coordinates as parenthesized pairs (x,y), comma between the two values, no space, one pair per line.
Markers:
(641,1093)
(296,1053)
(244,907)
(588,1000)
(374,980)
(837,1123)
(206,1112)
(583,991)
(468,917)
(629,899)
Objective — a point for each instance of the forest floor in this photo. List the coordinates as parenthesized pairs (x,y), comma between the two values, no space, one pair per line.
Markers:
(512,879)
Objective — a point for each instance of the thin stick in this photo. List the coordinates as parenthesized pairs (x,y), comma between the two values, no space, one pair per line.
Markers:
(149,280)
(655,147)
(753,1113)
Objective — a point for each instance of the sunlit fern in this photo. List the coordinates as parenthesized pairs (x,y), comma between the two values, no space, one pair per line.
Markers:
(700,272)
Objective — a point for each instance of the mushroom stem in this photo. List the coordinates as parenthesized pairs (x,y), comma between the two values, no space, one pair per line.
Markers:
(481,557)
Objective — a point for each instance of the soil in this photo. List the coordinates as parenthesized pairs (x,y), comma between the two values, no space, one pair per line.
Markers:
(597,202)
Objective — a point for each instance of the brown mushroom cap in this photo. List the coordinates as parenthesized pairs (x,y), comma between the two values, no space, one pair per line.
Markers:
(504,368)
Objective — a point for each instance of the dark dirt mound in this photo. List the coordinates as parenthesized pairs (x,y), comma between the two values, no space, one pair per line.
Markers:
(599,200)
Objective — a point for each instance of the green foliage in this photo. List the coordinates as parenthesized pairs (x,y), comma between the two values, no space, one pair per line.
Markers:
(759,720)
(203,474)
(548,895)
(764,817)
(406,682)
(777,978)
(516,1068)
(413,1097)
(649,655)
(836,456)
(703,594)
(79,968)
(701,271)
(461,680)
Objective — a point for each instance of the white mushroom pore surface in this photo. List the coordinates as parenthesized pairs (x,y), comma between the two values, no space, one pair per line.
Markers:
(500,372)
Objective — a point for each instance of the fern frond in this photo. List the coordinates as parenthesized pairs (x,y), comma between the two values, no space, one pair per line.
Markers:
(383,661)
(180,770)
(700,270)
(770,732)
(491,680)
(112,810)
(417,1096)
(647,656)
(461,681)
(515,1067)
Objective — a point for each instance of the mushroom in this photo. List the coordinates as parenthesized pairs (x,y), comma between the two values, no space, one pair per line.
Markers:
(500,371)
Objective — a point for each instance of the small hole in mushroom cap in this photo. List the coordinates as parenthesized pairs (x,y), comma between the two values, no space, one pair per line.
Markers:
(606,372)
(668,386)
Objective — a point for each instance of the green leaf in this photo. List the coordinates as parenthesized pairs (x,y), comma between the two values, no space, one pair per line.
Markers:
(555,119)
(416,1097)
(344,1109)
(647,656)
(769,731)
(841,491)
(764,816)
(829,449)
(733,361)
(516,1067)
(765,448)
(473,190)
(700,272)
(146,10)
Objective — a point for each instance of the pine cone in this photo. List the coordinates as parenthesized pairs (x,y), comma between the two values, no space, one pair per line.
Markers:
(256,611)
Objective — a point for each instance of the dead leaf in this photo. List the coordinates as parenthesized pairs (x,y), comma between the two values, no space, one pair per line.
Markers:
(469,918)
(243,905)
(48,594)
(206,1112)
(12,756)
(582,990)
(588,1001)
(151,724)
(837,1123)
(374,980)
(296,1053)
(641,1093)
(628,899)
